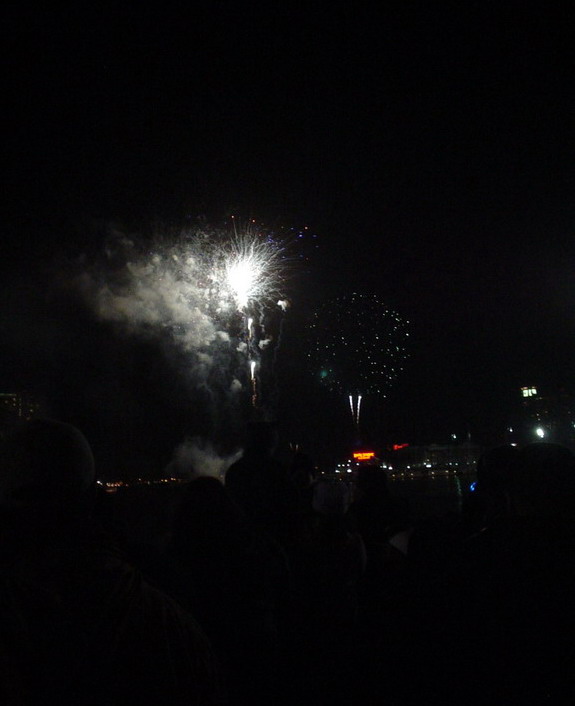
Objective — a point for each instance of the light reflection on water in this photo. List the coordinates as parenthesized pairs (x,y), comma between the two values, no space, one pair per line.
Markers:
(431,496)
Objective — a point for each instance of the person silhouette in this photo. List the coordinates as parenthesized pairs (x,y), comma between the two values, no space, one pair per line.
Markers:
(261,486)
(80,624)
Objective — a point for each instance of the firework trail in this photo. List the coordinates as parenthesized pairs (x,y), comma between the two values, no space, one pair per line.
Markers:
(248,268)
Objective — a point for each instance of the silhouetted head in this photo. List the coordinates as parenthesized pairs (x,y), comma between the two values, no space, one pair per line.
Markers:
(331,498)
(45,464)
(302,470)
(262,438)
(372,480)
(496,469)
(208,522)
(544,483)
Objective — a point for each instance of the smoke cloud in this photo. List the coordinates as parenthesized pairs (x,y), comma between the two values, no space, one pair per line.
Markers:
(197,457)
(172,292)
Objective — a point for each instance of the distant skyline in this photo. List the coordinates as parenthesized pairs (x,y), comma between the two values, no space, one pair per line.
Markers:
(430,148)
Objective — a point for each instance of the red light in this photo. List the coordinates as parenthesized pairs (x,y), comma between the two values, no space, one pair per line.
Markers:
(396,447)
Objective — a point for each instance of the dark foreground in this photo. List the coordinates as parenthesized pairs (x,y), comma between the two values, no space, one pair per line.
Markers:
(278,587)
(449,608)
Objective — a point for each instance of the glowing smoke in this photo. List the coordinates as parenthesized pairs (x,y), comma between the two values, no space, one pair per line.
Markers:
(197,457)
(209,295)
(155,296)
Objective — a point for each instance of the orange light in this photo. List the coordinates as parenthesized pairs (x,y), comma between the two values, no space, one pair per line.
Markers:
(363,455)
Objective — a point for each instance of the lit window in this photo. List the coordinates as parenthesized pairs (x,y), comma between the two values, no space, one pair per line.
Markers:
(528,391)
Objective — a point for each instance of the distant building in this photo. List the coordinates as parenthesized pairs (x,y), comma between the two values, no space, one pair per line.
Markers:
(462,456)
(547,416)
(16,407)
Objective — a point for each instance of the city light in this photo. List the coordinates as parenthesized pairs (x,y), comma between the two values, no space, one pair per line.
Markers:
(363,455)
(529,391)
(540,432)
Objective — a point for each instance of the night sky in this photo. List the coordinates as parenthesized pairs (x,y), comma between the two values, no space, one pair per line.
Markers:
(429,146)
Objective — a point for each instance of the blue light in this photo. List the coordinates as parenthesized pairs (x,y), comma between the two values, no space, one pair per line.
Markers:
(473,486)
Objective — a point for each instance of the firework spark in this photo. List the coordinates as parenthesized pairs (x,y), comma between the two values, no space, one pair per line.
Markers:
(248,269)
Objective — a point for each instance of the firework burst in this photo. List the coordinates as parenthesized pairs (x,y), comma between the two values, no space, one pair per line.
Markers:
(358,347)
(249,269)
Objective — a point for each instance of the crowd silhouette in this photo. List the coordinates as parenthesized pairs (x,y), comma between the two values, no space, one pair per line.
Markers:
(277,585)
